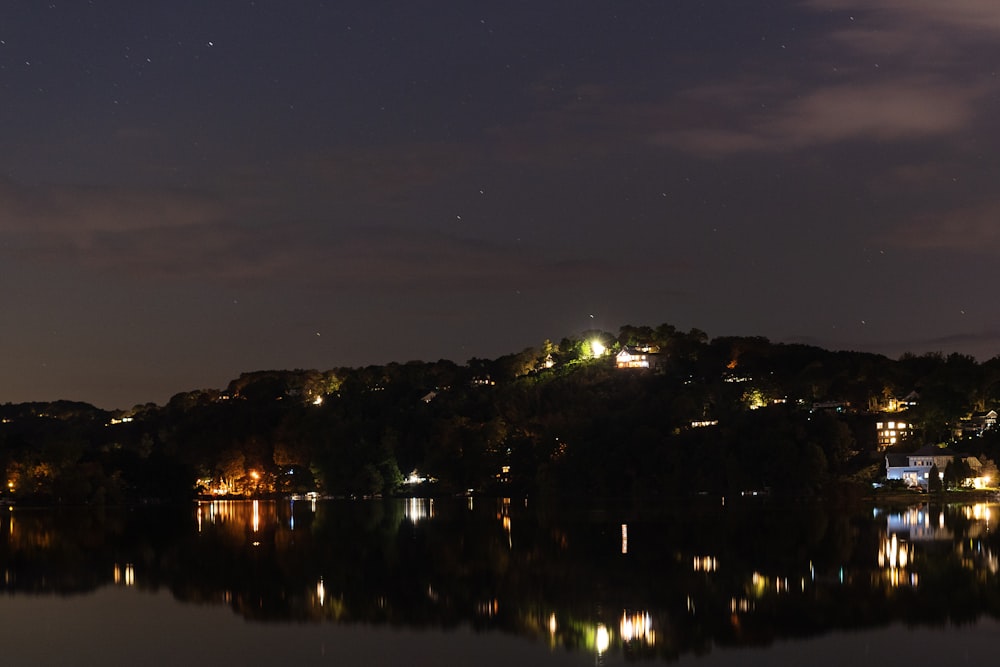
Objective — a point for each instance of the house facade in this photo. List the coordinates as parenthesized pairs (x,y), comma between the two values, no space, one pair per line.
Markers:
(976,424)
(631,356)
(915,468)
(891,431)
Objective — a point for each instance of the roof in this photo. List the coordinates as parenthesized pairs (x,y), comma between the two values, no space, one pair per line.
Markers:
(934,450)
(897,460)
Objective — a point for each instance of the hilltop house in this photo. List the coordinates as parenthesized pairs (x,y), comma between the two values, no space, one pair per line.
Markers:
(915,468)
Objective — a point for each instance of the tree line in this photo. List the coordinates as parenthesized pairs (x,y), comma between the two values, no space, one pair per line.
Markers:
(556,419)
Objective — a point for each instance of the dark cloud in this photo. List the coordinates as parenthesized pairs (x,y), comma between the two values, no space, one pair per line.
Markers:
(117,236)
(967,229)
(77,213)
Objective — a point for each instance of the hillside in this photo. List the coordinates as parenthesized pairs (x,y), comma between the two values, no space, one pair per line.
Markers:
(692,416)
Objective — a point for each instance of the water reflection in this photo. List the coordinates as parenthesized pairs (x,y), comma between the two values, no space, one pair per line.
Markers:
(611,582)
(637,626)
(419,509)
(894,557)
(124,575)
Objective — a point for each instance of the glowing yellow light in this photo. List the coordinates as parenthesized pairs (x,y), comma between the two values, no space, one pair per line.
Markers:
(597,348)
(552,623)
(602,639)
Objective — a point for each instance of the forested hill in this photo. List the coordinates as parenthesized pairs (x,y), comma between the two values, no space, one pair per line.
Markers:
(714,416)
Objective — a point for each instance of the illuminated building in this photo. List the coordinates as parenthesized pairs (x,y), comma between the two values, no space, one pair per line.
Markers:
(638,357)
(915,468)
(891,432)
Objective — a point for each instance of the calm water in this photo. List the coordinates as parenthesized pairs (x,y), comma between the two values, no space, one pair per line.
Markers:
(493,582)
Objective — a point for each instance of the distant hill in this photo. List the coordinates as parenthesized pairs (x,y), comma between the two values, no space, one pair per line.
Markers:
(648,412)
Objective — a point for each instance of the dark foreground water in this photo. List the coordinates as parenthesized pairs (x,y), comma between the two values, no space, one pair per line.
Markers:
(494,582)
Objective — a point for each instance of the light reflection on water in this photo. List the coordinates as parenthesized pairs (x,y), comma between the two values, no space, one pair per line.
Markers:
(419,509)
(609,586)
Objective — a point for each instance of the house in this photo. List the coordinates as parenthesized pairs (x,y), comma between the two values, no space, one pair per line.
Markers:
(638,356)
(831,406)
(891,403)
(890,432)
(976,424)
(915,468)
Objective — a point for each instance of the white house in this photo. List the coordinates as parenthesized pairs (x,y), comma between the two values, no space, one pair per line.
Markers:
(638,357)
(915,468)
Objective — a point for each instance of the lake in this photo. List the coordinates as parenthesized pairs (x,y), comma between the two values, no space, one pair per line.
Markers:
(498,582)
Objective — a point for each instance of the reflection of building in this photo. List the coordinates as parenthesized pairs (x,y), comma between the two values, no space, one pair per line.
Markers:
(637,626)
(916,527)
(418,509)
(894,556)
(918,524)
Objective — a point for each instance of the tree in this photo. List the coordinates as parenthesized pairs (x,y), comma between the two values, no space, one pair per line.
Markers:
(934,484)
(957,473)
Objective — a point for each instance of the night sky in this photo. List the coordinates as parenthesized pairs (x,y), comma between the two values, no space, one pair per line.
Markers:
(191,189)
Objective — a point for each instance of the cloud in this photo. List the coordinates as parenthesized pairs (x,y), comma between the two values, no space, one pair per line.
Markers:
(880,111)
(147,235)
(896,110)
(974,229)
(394,258)
(385,173)
(973,15)
(884,70)
(78,212)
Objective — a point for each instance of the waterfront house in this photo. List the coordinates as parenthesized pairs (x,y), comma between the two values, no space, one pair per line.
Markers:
(915,468)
